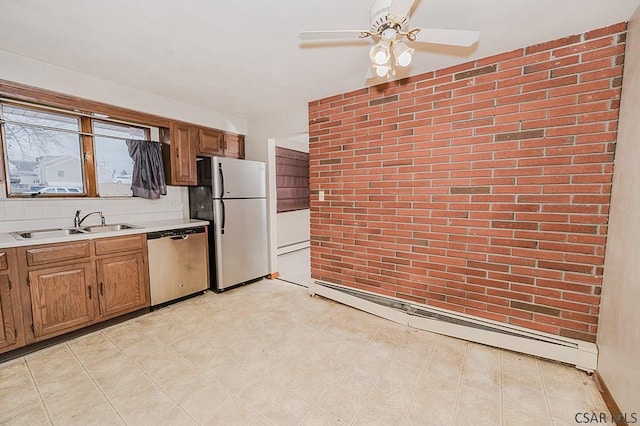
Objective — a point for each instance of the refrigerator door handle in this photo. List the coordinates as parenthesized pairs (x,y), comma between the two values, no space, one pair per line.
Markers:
(221,181)
(224,216)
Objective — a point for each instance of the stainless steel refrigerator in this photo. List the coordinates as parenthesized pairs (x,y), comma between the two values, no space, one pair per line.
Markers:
(232,195)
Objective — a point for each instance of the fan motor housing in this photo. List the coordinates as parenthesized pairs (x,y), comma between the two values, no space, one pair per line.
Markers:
(382,20)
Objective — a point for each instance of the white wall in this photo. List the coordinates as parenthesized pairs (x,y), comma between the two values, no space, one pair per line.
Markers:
(19,214)
(619,326)
(25,214)
(260,145)
(293,227)
(39,74)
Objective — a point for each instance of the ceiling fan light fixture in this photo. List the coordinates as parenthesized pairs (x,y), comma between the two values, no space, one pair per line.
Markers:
(403,54)
(380,52)
(382,70)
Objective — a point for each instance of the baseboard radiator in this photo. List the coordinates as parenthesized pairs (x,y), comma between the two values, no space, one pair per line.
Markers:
(583,355)
(288,248)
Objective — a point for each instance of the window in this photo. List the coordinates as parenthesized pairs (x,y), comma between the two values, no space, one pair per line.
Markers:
(48,152)
(292,179)
(42,149)
(114,167)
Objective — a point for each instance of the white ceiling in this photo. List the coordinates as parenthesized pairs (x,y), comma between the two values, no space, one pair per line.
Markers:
(243,57)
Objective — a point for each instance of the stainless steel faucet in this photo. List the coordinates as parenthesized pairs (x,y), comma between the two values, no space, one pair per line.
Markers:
(77,221)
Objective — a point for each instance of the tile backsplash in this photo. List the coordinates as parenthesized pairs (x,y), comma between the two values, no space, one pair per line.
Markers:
(22,214)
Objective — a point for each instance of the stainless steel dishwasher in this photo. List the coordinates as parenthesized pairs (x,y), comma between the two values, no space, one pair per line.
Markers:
(178,263)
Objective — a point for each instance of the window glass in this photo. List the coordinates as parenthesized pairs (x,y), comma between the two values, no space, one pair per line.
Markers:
(43,151)
(114,167)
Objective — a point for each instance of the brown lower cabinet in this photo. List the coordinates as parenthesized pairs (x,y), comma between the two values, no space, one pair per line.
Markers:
(61,299)
(67,286)
(11,329)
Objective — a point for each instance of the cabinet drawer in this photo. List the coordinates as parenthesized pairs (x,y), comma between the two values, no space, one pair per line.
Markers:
(119,244)
(57,253)
(4,261)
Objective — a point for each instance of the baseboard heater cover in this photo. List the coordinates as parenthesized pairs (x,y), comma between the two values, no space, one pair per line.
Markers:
(583,355)
(288,248)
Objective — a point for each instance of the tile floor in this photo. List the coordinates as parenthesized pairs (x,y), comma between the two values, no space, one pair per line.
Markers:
(295,267)
(269,354)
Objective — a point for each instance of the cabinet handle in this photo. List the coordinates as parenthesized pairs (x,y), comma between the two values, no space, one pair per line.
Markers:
(90,293)
(101,289)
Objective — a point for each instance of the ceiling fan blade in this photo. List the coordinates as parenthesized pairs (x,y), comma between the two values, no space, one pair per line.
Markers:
(401,7)
(326,35)
(450,37)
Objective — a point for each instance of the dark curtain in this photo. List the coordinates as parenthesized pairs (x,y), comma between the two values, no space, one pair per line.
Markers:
(147,180)
(292,179)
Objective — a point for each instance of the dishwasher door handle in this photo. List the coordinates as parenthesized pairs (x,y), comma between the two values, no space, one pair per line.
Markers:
(180,237)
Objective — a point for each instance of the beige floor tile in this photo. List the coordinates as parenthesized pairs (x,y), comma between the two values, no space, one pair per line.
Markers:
(20,403)
(15,377)
(345,400)
(431,409)
(287,410)
(32,415)
(96,413)
(319,417)
(483,404)
(237,377)
(94,347)
(202,405)
(176,417)
(291,359)
(73,395)
(375,413)
(313,384)
(181,381)
(260,395)
(232,412)
(143,407)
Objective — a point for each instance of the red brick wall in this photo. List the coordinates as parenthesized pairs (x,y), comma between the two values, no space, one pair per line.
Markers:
(482,188)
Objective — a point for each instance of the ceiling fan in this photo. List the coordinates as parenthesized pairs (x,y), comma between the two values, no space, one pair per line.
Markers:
(389,29)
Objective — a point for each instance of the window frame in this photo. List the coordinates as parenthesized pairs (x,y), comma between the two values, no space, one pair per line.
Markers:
(87,149)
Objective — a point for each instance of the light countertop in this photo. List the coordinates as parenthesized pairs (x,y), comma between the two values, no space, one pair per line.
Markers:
(141,227)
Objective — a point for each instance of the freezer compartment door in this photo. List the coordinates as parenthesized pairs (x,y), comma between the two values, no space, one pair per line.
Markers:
(233,178)
(241,241)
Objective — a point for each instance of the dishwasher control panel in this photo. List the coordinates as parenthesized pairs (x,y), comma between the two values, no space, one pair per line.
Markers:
(175,233)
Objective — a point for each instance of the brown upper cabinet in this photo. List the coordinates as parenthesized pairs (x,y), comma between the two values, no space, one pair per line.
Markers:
(210,142)
(182,142)
(179,154)
(233,146)
(216,143)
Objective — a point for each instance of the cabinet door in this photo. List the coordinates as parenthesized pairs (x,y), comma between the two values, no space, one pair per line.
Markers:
(61,299)
(183,155)
(8,332)
(234,146)
(121,284)
(210,142)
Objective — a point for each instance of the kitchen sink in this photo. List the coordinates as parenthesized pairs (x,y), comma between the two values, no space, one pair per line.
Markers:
(47,233)
(65,232)
(107,228)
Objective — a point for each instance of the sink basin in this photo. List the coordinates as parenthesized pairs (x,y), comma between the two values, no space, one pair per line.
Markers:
(108,228)
(47,233)
(65,232)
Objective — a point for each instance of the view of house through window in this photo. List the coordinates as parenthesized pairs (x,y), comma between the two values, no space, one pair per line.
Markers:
(42,151)
(114,167)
